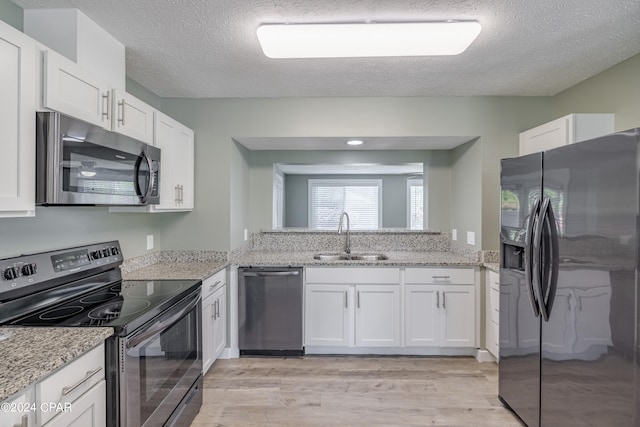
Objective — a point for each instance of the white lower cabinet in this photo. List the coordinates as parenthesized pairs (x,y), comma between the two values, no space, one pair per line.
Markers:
(214,315)
(74,395)
(439,315)
(362,311)
(373,308)
(328,316)
(492,328)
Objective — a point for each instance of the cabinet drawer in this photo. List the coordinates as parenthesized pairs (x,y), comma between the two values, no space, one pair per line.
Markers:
(69,382)
(494,281)
(353,275)
(440,276)
(212,283)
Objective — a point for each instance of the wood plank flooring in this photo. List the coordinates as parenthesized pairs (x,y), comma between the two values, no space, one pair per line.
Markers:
(352,391)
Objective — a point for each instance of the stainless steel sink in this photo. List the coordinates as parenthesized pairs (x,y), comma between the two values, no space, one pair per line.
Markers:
(350,257)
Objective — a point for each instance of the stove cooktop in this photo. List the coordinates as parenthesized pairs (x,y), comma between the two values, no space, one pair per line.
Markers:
(124,305)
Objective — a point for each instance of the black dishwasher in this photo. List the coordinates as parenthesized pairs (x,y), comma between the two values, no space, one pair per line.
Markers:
(270,311)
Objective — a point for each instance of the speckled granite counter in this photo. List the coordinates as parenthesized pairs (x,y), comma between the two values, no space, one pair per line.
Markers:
(264,258)
(29,354)
(176,270)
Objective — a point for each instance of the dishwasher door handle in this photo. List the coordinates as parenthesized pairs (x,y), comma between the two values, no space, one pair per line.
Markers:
(270,273)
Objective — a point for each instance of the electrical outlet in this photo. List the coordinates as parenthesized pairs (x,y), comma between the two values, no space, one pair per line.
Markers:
(149,241)
(454,234)
(246,234)
(471,238)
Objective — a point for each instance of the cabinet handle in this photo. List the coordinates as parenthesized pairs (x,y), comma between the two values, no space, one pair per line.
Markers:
(105,105)
(346,299)
(444,299)
(213,285)
(181,193)
(69,389)
(218,308)
(437,299)
(358,299)
(121,114)
(440,277)
(176,194)
(24,421)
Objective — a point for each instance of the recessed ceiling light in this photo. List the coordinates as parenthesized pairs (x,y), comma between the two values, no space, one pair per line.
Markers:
(367,39)
(355,142)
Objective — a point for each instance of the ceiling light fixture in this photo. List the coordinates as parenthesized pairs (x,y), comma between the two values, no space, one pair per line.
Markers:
(366,39)
(355,142)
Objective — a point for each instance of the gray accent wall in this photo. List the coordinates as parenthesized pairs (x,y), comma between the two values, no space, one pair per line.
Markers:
(394,198)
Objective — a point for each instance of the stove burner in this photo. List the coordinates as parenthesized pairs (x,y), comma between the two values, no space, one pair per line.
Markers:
(99,297)
(61,312)
(112,310)
(138,292)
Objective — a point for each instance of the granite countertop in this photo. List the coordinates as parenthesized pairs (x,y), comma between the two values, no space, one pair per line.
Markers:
(28,354)
(176,270)
(400,258)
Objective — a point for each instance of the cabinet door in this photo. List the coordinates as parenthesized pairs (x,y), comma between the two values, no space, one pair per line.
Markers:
(220,324)
(207,333)
(421,315)
(17,122)
(458,328)
(545,137)
(19,410)
(378,317)
(73,91)
(176,169)
(90,410)
(184,166)
(328,314)
(132,117)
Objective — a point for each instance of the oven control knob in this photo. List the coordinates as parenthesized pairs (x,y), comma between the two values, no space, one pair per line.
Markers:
(106,252)
(96,255)
(28,269)
(114,251)
(10,274)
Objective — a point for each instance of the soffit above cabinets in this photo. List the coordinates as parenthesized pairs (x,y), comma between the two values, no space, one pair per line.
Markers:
(209,49)
(340,143)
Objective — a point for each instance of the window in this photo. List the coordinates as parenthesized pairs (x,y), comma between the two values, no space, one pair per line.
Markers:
(415,204)
(278,201)
(360,198)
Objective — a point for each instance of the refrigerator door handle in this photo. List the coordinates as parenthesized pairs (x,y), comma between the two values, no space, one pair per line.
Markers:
(541,263)
(528,256)
(548,293)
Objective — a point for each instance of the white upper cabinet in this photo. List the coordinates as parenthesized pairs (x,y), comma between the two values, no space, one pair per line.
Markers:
(17,120)
(177,163)
(75,36)
(132,117)
(565,130)
(71,90)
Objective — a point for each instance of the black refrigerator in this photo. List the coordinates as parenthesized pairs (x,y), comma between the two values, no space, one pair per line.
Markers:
(568,287)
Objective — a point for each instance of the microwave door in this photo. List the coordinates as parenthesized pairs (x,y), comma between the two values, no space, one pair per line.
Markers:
(144,177)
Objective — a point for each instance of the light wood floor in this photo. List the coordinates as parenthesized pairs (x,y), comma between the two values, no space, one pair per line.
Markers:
(355,391)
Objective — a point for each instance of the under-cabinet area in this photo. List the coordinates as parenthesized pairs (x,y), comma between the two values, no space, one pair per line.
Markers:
(386,310)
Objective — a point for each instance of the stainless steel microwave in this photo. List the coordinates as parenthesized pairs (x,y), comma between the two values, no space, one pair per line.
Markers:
(79,163)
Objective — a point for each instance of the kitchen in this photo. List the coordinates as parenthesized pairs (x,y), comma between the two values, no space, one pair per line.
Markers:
(232,183)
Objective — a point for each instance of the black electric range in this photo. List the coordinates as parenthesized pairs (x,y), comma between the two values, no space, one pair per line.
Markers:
(154,359)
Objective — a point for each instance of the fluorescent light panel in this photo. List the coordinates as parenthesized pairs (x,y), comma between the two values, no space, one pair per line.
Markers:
(366,40)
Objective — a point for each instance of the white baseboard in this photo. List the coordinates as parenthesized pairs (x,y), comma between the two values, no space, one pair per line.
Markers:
(484,356)
(229,353)
(391,351)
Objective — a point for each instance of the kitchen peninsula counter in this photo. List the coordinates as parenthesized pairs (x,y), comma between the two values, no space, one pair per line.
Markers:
(29,354)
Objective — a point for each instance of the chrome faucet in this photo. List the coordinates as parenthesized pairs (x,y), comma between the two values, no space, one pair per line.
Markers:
(347,247)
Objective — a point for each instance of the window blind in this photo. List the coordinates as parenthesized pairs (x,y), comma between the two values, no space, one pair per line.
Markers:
(416,204)
(361,199)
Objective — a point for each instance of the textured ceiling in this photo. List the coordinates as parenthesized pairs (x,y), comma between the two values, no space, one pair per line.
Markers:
(208,48)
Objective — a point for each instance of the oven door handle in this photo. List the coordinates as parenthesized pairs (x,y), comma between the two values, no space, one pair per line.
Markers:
(162,324)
